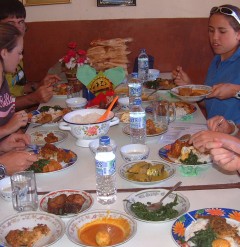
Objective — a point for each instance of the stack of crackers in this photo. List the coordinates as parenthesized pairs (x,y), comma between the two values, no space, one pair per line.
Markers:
(106,54)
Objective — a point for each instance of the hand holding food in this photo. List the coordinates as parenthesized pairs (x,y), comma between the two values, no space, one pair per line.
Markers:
(180,77)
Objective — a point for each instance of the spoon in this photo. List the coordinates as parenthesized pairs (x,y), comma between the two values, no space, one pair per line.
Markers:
(158,205)
(105,115)
(152,93)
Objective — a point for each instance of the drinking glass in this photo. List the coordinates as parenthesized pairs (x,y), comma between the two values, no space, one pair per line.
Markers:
(24,191)
(163,112)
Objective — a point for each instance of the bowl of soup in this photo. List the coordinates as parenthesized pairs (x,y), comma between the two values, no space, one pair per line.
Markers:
(133,152)
(101,228)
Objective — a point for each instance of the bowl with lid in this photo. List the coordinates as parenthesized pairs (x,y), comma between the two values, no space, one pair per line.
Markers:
(84,126)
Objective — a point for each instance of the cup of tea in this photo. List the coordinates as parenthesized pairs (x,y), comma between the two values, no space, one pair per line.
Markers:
(24,191)
(163,112)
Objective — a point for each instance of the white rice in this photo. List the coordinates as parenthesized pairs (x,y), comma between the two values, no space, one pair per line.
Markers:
(180,112)
(88,118)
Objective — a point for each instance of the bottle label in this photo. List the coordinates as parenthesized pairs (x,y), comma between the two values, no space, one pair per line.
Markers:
(135,90)
(138,122)
(105,168)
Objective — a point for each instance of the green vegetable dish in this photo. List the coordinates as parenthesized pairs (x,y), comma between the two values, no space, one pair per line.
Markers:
(164,213)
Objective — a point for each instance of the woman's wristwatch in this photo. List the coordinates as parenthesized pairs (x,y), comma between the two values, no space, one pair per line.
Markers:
(236,129)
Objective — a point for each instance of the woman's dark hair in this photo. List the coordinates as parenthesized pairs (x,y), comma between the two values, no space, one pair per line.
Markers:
(11,8)
(232,21)
(9,35)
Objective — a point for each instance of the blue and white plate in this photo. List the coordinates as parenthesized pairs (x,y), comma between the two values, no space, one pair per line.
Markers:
(181,226)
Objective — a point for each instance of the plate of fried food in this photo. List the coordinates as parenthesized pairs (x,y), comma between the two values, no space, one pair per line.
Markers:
(52,159)
(183,153)
(160,84)
(60,90)
(66,203)
(174,205)
(146,172)
(47,115)
(191,93)
(42,137)
(208,226)
(31,229)
(152,128)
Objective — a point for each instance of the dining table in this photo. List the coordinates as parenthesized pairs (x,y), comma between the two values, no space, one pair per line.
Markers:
(212,187)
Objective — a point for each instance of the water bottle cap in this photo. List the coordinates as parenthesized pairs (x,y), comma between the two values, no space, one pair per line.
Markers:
(104,140)
(134,75)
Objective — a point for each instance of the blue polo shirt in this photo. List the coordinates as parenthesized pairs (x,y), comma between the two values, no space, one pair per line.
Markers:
(227,71)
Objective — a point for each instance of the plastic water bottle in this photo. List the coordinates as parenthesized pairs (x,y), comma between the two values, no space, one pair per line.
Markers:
(105,172)
(135,89)
(137,113)
(143,66)
(137,122)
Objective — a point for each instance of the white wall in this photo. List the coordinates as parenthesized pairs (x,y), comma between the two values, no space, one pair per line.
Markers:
(88,10)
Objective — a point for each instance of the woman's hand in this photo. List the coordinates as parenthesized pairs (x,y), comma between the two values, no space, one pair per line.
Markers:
(15,142)
(15,161)
(180,77)
(18,120)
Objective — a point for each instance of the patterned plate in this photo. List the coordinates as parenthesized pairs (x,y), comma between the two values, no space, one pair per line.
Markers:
(181,225)
(123,172)
(87,204)
(63,164)
(37,138)
(154,195)
(163,153)
(30,220)
(126,130)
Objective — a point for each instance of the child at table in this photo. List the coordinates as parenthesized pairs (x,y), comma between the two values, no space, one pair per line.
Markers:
(223,74)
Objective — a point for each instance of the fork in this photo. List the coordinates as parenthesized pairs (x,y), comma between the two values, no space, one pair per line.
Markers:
(158,205)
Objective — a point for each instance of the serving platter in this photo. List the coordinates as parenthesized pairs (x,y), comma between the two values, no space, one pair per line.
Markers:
(65,165)
(126,130)
(123,171)
(152,196)
(30,220)
(37,137)
(181,227)
(86,206)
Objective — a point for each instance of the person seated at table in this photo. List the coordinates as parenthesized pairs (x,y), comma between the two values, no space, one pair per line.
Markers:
(223,74)
(27,94)
(224,148)
(13,158)
(11,46)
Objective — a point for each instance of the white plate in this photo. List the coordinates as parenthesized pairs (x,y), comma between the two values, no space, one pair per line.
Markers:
(123,171)
(154,195)
(87,204)
(37,137)
(126,130)
(82,219)
(30,220)
(63,164)
(174,91)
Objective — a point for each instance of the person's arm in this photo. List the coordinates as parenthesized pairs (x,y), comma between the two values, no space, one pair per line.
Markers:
(16,161)
(180,77)
(15,141)
(224,91)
